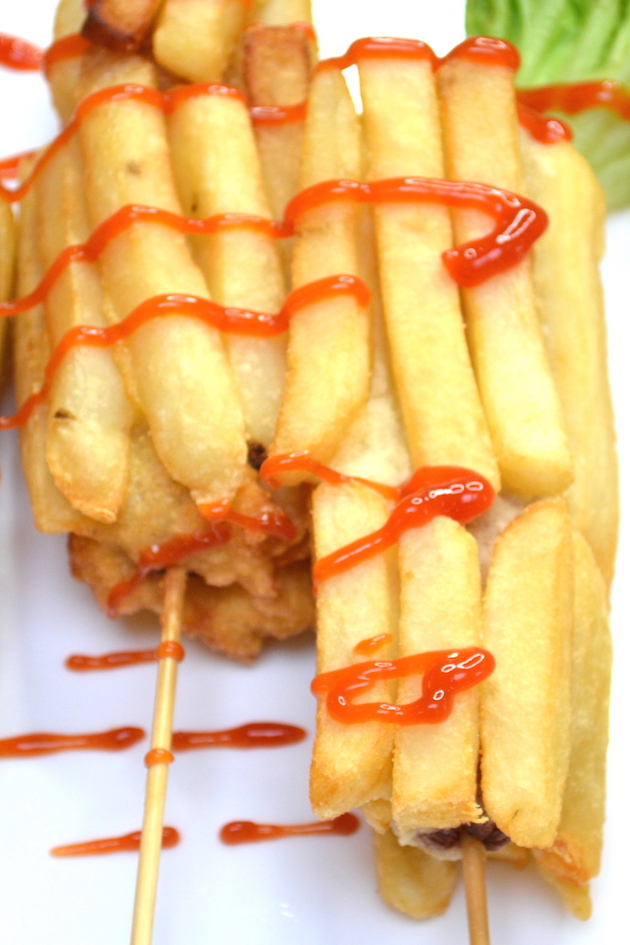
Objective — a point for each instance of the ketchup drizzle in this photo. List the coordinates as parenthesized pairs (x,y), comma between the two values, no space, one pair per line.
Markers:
(246,831)
(47,743)
(18,54)
(446,672)
(575,97)
(249,735)
(128,842)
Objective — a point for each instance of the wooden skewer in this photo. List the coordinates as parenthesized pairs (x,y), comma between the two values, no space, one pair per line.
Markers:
(474,864)
(157,774)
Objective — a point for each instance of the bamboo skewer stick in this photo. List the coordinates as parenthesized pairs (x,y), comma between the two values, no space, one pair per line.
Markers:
(157,774)
(474,864)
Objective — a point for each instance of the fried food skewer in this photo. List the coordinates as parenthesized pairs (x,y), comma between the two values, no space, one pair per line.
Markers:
(158,758)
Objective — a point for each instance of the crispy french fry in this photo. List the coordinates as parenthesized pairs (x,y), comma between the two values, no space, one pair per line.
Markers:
(410,880)
(282,12)
(180,370)
(279,143)
(195,39)
(89,414)
(444,420)
(120,24)
(569,292)
(435,766)
(526,703)
(7,263)
(63,75)
(242,267)
(515,382)
(329,340)
(51,510)
(574,856)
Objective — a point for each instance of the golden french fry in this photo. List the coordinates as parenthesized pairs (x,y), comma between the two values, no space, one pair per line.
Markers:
(526,702)
(574,855)
(63,75)
(242,267)
(180,371)
(435,766)
(444,420)
(515,382)
(282,12)
(329,340)
(31,351)
(195,39)
(120,24)
(412,881)
(569,292)
(89,414)
(279,143)
(7,263)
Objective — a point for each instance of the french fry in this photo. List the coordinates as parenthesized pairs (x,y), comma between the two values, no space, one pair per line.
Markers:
(120,24)
(444,420)
(180,370)
(195,39)
(329,340)
(412,881)
(526,703)
(435,766)
(282,12)
(242,267)
(265,84)
(574,856)
(63,76)
(515,382)
(7,265)
(568,288)
(89,415)
(51,510)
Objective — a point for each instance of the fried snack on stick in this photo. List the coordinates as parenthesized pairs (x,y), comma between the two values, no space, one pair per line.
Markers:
(242,267)
(526,703)
(329,340)
(444,420)
(515,382)
(7,260)
(569,293)
(574,856)
(435,766)
(279,143)
(31,351)
(89,414)
(412,881)
(120,24)
(195,39)
(181,374)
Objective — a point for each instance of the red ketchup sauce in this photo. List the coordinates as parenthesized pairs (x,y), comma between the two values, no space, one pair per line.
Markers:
(82,663)
(47,743)
(446,672)
(246,831)
(575,97)
(368,646)
(250,735)
(18,54)
(126,843)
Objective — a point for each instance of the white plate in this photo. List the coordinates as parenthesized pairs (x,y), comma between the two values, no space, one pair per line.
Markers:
(298,891)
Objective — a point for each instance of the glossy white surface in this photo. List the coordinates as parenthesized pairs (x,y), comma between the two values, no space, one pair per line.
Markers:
(297,892)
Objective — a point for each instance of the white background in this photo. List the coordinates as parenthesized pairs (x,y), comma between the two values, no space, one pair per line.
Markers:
(298,891)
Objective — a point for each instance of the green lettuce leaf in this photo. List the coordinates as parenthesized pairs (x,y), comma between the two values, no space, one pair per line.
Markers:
(571,41)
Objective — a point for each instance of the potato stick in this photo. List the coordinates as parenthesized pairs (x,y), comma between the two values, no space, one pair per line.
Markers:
(329,341)
(63,76)
(7,264)
(51,510)
(280,143)
(120,24)
(435,766)
(526,703)
(282,12)
(444,420)
(242,267)
(412,881)
(575,853)
(181,372)
(515,382)
(569,292)
(89,416)
(195,39)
